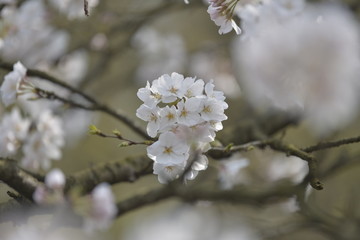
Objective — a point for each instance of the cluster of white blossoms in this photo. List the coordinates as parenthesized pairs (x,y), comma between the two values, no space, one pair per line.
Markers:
(26,34)
(310,69)
(43,140)
(14,130)
(186,113)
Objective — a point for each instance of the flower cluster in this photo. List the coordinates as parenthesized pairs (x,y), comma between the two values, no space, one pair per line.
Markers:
(13,130)
(42,142)
(221,12)
(186,113)
(309,69)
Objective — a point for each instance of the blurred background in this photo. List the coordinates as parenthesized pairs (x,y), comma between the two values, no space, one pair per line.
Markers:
(123,44)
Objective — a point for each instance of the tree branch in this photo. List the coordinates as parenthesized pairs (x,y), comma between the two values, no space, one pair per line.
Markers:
(333,144)
(127,170)
(196,193)
(17,179)
(96,106)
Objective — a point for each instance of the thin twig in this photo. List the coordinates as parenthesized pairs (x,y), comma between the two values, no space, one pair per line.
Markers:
(333,144)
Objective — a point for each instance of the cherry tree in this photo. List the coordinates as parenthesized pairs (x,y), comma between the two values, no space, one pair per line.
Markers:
(172,119)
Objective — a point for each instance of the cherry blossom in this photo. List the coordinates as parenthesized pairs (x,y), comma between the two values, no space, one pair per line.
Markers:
(11,86)
(186,114)
(102,208)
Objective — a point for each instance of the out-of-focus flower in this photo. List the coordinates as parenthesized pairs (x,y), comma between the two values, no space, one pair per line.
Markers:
(52,191)
(188,223)
(102,208)
(44,144)
(266,166)
(186,114)
(14,130)
(229,171)
(55,179)
(213,65)
(159,53)
(301,65)
(28,36)
(10,88)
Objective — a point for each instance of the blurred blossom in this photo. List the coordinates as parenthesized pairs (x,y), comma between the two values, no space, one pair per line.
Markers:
(55,179)
(308,63)
(72,67)
(33,233)
(268,166)
(10,87)
(212,65)
(189,223)
(229,171)
(28,36)
(102,209)
(43,144)
(99,41)
(73,8)
(52,192)
(158,53)
(14,129)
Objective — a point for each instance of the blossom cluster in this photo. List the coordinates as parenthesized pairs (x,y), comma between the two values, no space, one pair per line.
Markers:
(309,69)
(185,113)
(42,141)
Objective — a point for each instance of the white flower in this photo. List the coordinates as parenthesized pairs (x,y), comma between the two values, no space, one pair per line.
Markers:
(168,149)
(44,144)
(55,179)
(218,95)
(149,95)
(15,123)
(170,87)
(188,111)
(166,172)
(168,116)
(221,13)
(14,130)
(10,87)
(212,110)
(192,88)
(201,132)
(229,171)
(102,208)
(151,115)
